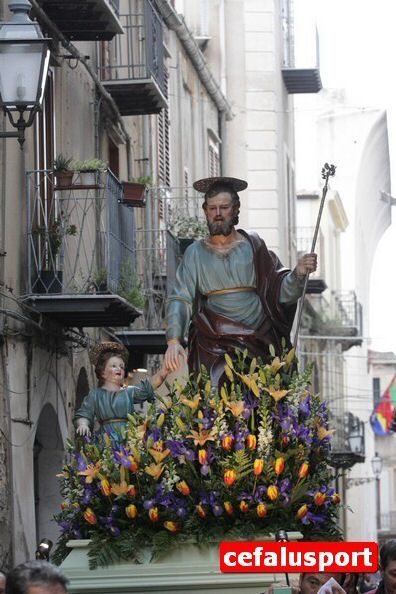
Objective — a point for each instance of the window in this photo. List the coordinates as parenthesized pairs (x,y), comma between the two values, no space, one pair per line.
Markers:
(214,158)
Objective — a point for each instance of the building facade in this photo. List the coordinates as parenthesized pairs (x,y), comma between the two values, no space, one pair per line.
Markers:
(164,93)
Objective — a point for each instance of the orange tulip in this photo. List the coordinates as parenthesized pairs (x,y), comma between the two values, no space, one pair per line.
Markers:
(202,456)
(201,511)
(183,488)
(302,511)
(132,464)
(258,466)
(131,511)
(172,526)
(229,508)
(319,498)
(261,510)
(105,487)
(304,469)
(226,443)
(273,492)
(244,506)
(132,490)
(89,516)
(279,466)
(336,498)
(229,477)
(251,442)
(153,514)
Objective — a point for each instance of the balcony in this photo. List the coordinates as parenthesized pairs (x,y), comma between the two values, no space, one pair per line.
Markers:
(158,252)
(84,20)
(132,65)
(81,252)
(340,317)
(300,73)
(302,80)
(348,443)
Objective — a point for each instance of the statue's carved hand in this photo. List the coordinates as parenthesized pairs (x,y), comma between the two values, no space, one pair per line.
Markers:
(306,264)
(83,427)
(175,356)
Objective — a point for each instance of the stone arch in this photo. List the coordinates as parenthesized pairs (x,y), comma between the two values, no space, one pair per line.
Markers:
(48,457)
(82,388)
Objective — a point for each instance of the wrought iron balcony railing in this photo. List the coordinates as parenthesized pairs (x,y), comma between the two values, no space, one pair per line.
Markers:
(81,243)
(348,441)
(340,316)
(132,65)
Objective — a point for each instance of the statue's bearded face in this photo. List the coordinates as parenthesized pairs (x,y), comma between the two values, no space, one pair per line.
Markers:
(220,214)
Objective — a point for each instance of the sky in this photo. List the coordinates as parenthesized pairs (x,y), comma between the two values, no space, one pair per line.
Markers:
(357,54)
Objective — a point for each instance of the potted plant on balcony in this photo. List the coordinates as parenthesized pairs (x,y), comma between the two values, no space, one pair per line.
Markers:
(135,192)
(130,286)
(50,277)
(88,171)
(63,172)
(188,229)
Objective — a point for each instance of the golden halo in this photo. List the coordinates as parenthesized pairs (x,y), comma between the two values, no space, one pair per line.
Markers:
(108,347)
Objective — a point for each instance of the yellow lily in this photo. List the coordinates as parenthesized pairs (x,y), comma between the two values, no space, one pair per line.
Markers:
(236,407)
(121,488)
(276,394)
(154,470)
(192,403)
(202,436)
(159,456)
(323,432)
(91,472)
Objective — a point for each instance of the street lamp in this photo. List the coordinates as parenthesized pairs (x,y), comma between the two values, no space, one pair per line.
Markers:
(376,465)
(24,60)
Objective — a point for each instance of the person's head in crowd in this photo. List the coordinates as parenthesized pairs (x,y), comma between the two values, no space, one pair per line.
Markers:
(36,577)
(2,582)
(388,566)
(310,583)
(350,583)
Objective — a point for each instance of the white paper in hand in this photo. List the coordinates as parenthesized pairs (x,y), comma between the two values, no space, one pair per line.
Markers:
(331,587)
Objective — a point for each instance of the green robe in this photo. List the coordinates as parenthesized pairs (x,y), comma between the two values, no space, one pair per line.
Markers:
(100,404)
(204,270)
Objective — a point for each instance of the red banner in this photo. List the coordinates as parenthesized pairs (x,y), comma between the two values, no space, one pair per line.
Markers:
(292,557)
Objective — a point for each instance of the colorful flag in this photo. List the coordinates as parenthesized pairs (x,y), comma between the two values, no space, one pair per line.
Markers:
(382,416)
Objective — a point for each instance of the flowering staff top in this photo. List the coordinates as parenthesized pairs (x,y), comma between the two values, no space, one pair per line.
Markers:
(206,464)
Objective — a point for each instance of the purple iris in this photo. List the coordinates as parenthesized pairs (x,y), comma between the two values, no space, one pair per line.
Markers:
(148,504)
(87,495)
(114,531)
(179,450)
(305,407)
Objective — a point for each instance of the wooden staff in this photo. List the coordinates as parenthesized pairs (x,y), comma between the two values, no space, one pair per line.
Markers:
(327,171)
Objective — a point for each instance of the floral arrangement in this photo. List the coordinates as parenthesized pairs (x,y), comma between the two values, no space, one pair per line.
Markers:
(206,465)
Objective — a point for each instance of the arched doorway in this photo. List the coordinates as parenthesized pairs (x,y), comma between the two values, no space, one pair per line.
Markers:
(48,459)
(82,388)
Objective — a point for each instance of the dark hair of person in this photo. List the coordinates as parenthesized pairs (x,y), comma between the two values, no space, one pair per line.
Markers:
(101,364)
(387,553)
(34,573)
(218,189)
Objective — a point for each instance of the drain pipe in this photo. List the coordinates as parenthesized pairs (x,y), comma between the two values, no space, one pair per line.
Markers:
(177,24)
